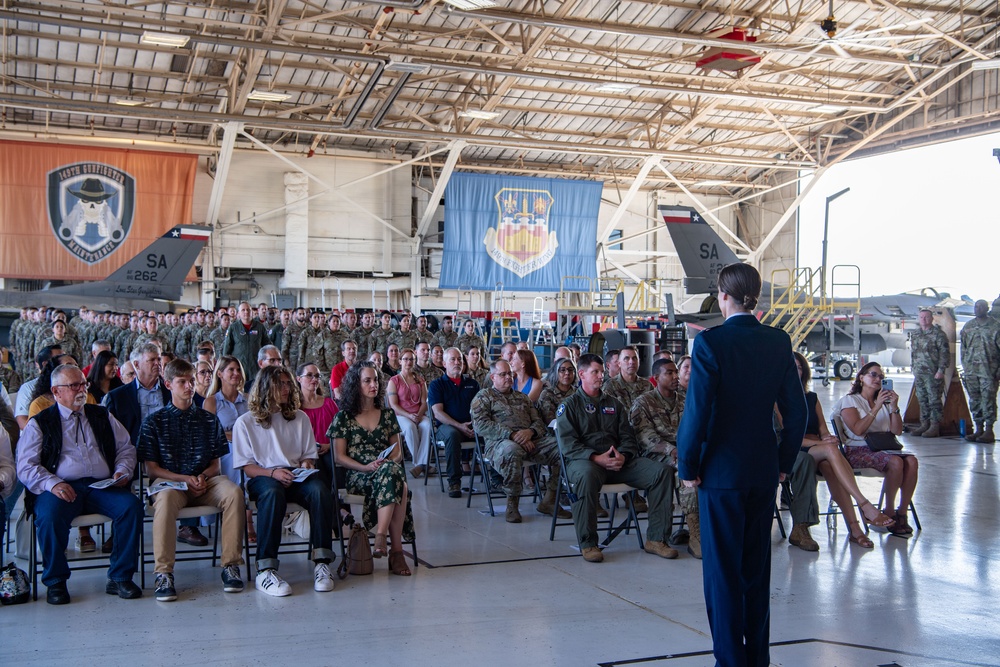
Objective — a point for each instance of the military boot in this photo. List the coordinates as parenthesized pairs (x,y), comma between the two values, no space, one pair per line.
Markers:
(513,515)
(924,425)
(987,437)
(933,432)
(694,535)
(974,437)
(548,506)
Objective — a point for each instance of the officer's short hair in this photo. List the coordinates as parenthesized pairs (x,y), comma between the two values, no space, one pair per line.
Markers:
(587,360)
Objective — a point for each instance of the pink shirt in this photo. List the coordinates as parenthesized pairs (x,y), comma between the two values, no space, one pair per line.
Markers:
(321,418)
(408,395)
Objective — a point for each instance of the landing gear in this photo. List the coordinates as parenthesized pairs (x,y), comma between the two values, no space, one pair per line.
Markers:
(843,370)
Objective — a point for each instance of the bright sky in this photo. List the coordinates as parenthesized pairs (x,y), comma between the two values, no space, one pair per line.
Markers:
(926,217)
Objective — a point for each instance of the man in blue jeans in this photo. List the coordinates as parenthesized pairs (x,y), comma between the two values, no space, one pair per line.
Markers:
(269,442)
(65,449)
(450,398)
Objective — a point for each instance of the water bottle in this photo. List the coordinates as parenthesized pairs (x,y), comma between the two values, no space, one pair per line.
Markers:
(961,427)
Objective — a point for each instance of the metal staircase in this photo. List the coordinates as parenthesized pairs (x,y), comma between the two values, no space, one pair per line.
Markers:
(798,301)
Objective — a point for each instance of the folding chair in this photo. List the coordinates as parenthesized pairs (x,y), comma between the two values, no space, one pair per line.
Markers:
(437,452)
(491,492)
(610,494)
(83,521)
(187,554)
(839,430)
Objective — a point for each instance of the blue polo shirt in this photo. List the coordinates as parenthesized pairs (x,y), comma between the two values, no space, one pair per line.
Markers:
(456,398)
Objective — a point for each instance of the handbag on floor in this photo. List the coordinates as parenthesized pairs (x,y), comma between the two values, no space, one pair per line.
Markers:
(14,586)
(883,441)
(359,554)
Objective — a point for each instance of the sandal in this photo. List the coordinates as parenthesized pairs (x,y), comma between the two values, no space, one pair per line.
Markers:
(873,517)
(861,540)
(417,471)
(901,528)
(397,564)
(380,549)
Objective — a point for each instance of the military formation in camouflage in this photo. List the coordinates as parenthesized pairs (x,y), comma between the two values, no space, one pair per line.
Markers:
(930,359)
(981,370)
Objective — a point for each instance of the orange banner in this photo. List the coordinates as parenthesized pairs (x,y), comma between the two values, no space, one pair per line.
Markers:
(79,213)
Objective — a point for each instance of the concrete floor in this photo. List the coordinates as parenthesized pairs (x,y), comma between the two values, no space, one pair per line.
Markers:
(490,593)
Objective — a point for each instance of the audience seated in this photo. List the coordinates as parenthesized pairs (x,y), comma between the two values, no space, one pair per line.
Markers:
(362,432)
(527,376)
(627,385)
(870,408)
(103,376)
(450,400)
(560,383)
(476,367)
(349,349)
(183,443)
(269,442)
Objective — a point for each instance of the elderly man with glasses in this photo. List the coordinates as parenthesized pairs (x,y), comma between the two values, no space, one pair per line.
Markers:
(64,450)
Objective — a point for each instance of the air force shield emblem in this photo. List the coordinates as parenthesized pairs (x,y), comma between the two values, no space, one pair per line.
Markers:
(521,242)
(91,207)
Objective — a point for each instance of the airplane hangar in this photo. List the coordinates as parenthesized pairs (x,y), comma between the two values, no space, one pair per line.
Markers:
(325,133)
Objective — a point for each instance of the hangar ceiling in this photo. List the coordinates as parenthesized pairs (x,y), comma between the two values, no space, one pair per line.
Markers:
(579,87)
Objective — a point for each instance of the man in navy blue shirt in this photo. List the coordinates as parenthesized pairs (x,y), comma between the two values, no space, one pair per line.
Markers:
(450,398)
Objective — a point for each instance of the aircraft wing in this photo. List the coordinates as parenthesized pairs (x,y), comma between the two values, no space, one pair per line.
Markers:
(154,276)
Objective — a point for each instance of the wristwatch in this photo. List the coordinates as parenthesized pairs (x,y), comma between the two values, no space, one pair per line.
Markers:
(894,412)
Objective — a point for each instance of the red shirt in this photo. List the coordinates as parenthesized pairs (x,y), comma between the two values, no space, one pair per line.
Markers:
(337,374)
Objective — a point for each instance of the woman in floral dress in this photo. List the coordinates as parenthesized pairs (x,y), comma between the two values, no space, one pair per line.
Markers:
(362,430)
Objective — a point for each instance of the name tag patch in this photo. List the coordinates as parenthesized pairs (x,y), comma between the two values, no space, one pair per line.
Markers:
(608,410)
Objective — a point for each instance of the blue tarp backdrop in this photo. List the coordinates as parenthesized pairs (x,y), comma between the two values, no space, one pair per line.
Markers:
(523,232)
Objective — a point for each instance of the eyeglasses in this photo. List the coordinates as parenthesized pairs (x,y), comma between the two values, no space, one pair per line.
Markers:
(75,386)
(273,360)
(311,376)
(505,374)
(875,374)
(204,372)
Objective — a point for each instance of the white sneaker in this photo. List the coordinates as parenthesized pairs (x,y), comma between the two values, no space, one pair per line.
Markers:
(269,582)
(322,577)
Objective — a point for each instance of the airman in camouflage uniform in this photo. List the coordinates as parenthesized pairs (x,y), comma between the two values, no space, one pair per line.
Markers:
(423,335)
(60,338)
(404,338)
(446,335)
(423,367)
(218,335)
(981,370)
(469,338)
(335,336)
(930,359)
(16,327)
(627,386)
(655,416)
(312,348)
(513,432)
(10,378)
(549,400)
(362,336)
(381,336)
(290,338)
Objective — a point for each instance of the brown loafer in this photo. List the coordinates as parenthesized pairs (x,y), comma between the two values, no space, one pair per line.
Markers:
(191,535)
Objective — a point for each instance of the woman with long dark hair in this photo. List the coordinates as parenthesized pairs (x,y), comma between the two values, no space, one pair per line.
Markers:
(871,408)
(560,383)
(365,437)
(103,375)
(527,376)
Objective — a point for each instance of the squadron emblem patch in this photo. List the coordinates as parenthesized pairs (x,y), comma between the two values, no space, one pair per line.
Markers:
(91,208)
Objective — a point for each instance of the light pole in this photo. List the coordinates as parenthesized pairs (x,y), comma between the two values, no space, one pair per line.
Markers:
(826,229)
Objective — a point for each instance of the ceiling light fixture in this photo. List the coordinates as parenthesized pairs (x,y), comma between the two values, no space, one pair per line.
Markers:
(705,184)
(615,87)
(478,114)
(164,39)
(828,108)
(412,68)
(471,5)
(992,63)
(267,96)
(127,101)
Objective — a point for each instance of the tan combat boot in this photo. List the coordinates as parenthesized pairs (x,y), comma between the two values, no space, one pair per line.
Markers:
(987,437)
(513,515)
(694,535)
(974,437)
(924,425)
(800,537)
(548,505)
(933,432)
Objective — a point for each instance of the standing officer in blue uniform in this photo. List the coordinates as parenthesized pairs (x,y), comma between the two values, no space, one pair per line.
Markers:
(727,448)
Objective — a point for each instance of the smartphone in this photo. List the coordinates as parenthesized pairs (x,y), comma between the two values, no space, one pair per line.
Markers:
(887,384)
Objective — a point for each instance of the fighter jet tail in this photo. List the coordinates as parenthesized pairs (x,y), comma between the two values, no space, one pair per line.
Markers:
(701,250)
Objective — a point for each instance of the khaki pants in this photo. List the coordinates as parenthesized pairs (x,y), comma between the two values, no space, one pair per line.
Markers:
(221,493)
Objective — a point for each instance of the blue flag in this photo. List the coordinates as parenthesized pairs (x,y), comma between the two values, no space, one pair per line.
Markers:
(524,232)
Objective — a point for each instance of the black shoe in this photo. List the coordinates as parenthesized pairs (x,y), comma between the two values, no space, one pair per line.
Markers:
(126,590)
(165,591)
(57,594)
(454,490)
(191,535)
(232,580)
(108,545)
